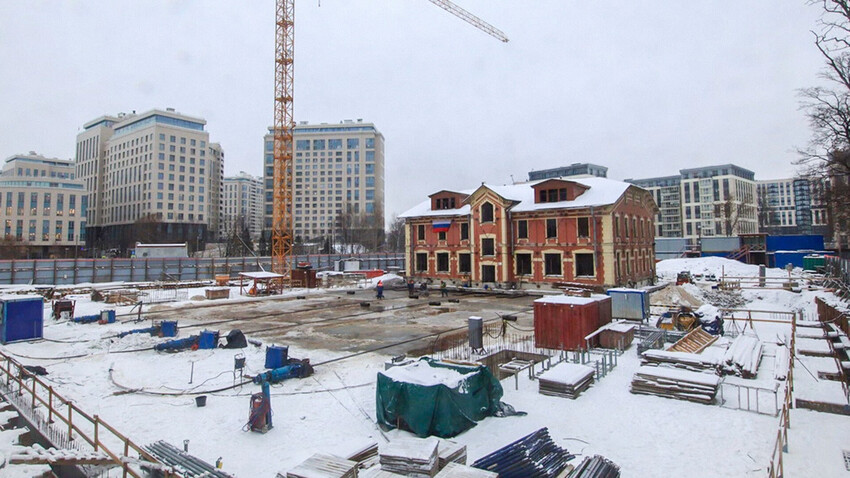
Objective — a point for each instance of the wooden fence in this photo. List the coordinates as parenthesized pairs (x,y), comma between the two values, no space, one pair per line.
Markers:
(780,447)
(67,426)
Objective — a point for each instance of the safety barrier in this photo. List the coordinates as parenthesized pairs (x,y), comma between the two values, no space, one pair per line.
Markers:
(780,447)
(67,426)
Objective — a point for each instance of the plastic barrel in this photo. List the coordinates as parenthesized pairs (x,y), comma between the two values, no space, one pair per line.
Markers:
(277,356)
(201,400)
(168,328)
(208,339)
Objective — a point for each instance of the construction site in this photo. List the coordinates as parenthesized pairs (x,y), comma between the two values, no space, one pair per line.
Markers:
(733,371)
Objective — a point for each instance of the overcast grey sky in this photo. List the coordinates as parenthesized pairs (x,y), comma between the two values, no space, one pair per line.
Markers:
(642,87)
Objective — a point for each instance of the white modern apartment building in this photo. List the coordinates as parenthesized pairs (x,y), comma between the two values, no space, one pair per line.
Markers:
(151,177)
(42,207)
(337,169)
(667,192)
(719,201)
(242,205)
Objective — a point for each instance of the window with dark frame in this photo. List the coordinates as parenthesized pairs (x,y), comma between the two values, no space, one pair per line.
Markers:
(442,262)
(488,247)
(422,262)
(584,265)
(441,236)
(464,263)
(523,264)
(464,231)
(420,232)
(487,212)
(522,229)
(552,264)
(551,228)
(583,227)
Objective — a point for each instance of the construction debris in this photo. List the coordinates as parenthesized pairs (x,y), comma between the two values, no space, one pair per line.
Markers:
(596,467)
(323,466)
(684,360)
(566,380)
(533,455)
(416,457)
(675,383)
(742,358)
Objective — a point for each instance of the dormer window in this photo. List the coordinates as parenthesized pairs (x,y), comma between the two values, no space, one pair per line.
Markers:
(487,212)
(552,195)
(445,203)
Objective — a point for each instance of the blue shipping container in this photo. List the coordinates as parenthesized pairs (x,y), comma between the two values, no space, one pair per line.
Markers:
(277,356)
(795,243)
(208,339)
(632,304)
(22,318)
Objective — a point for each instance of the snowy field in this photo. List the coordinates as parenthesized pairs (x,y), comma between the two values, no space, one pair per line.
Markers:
(146,395)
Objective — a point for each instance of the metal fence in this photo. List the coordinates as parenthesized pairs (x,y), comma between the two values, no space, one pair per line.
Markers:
(76,271)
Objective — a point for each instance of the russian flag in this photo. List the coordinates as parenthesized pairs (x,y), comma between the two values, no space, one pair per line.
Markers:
(442,225)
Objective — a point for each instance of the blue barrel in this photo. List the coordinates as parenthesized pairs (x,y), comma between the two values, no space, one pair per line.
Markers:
(208,339)
(277,356)
(168,328)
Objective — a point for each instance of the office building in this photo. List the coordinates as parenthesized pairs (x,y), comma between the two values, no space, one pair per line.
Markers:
(43,207)
(242,206)
(575,169)
(151,177)
(338,173)
(667,192)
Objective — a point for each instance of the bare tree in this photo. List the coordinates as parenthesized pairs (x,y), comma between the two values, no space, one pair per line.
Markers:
(395,236)
(766,218)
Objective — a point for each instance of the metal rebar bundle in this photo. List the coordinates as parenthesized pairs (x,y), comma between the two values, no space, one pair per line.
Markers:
(186,464)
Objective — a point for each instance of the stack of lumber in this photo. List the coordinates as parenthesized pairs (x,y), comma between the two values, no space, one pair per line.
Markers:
(685,360)
(675,383)
(451,452)
(365,457)
(743,356)
(416,457)
(324,466)
(596,467)
(565,380)
(456,470)
(781,363)
(377,472)
(695,342)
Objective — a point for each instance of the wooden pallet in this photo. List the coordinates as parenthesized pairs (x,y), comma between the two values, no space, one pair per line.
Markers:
(695,342)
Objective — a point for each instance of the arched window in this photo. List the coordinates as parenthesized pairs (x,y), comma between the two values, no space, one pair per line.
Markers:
(487,212)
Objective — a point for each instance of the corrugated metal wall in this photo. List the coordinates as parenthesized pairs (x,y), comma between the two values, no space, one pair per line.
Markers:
(795,243)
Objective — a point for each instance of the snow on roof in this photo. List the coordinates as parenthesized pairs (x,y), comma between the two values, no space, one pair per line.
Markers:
(14,297)
(570,300)
(260,275)
(602,192)
(139,244)
(625,289)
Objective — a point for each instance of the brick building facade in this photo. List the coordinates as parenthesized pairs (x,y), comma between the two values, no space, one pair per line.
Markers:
(593,231)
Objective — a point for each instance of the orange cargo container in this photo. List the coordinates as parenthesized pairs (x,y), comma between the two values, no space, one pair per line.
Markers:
(562,322)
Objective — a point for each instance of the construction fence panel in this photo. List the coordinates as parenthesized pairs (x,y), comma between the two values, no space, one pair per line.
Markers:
(76,271)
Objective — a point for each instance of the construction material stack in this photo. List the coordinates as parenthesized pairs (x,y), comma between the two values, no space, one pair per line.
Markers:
(676,383)
(455,470)
(416,457)
(566,380)
(742,358)
(596,467)
(533,455)
(683,360)
(451,452)
(324,466)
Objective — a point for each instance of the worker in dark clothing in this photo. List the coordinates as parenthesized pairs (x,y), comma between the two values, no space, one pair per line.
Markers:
(423,289)
(444,292)
(379,290)
(410,287)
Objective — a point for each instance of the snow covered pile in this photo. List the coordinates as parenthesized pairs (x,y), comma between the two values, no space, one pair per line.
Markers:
(743,356)
(420,373)
(668,269)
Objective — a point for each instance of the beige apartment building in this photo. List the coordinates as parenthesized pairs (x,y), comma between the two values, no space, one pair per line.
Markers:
(42,207)
(151,177)
(338,169)
(242,205)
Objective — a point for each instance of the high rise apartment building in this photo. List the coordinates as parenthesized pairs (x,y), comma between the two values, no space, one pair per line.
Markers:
(42,206)
(337,169)
(151,177)
(667,192)
(242,206)
(573,170)
(790,206)
(711,201)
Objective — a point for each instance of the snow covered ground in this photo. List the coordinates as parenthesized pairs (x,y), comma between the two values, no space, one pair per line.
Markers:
(334,410)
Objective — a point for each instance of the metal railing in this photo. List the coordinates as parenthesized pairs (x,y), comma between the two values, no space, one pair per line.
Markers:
(66,425)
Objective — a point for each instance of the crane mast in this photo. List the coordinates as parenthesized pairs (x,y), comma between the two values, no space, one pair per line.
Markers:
(282,216)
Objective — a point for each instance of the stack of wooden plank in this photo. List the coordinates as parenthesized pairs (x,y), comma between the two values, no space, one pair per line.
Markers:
(685,360)
(742,358)
(565,380)
(456,470)
(377,472)
(781,364)
(676,383)
(451,452)
(416,457)
(695,342)
(324,466)
(366,456)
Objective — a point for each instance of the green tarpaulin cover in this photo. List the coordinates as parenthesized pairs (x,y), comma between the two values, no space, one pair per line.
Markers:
(428,408)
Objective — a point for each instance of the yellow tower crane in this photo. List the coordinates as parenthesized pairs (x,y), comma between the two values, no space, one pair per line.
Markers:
(282,219)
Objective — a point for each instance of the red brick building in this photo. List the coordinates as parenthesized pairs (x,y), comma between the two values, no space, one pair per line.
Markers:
(594,231)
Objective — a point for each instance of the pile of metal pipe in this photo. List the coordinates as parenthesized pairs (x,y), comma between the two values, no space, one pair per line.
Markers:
(533,455)
(187,465)
(596,467)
